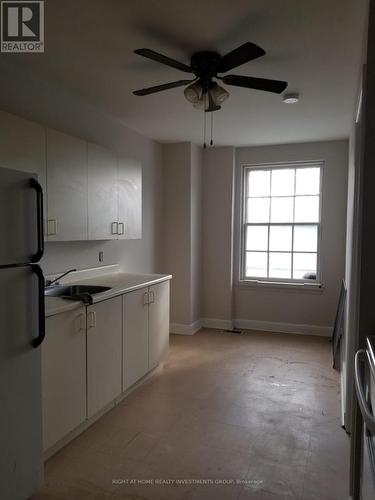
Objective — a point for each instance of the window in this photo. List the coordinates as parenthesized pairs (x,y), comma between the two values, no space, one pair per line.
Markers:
(281,223)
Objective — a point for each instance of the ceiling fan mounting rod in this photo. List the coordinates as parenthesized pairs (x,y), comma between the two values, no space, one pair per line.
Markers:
(205,64)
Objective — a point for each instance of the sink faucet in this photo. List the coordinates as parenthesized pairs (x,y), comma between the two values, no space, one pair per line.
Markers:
(56,280)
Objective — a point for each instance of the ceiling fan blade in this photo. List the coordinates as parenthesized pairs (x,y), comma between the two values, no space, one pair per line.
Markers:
(159,88)
(250,82)
(155,56)
(246,52)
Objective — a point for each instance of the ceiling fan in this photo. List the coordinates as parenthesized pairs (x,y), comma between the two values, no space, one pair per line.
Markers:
(203,91)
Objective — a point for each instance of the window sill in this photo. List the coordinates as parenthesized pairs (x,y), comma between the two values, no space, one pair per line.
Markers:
(292,287)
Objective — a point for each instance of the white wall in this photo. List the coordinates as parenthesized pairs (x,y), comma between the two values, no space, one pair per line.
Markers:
(177,237)
(351,340)
(182,232)
(225,303)
(52,106)
(217,238)
(196,231)
(315,309)
(172,234)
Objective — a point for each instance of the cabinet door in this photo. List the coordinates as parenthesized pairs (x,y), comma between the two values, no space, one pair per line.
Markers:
(102,193)
(130,199)
(135,345)
(66,187)
(23,146)
(158,334)
(104,353)
(63,375)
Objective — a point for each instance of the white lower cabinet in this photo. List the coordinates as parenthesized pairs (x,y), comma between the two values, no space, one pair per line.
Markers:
(145,331)
(94,353)
(158,333)
(64,375)
(104,357)
(135,332)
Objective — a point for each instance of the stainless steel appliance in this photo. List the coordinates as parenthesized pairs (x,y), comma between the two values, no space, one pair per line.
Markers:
(21,333)
(365,391)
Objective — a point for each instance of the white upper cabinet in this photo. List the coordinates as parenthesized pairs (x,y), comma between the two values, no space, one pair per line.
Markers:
(129,199)
(89,192)
(66,187)
(23,146)
(102,193)
(114,196)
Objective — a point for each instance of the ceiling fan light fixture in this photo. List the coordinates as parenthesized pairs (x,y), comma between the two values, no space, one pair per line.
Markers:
(202,102)
(218,94)
(193,92)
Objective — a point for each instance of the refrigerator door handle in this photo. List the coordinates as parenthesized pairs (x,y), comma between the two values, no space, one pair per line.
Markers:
(370,450)
(368,417)
(41,311)
(39,200)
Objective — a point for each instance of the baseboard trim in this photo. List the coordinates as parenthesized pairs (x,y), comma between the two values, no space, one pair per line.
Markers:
(183,329)
(270,326)
(250,324)
(217,324)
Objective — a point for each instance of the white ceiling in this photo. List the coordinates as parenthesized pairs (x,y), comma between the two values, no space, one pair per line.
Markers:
(313,44)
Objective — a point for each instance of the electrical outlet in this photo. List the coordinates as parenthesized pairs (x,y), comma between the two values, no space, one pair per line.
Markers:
(101,256)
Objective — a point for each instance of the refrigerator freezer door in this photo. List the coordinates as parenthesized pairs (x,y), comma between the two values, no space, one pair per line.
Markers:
(21,464)
(368,467)
(21,218)
(368,452)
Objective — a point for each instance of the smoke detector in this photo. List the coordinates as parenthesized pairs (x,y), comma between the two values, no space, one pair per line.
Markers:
(290,98)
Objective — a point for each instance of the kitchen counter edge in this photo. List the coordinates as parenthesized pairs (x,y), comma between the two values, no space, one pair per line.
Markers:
(58,305)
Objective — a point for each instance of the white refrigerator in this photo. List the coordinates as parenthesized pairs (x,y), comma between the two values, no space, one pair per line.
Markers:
(22,330)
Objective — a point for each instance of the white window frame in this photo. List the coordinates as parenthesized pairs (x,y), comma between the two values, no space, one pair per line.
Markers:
(244,189)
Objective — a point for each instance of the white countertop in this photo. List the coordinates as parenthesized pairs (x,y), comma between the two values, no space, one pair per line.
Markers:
(120,283)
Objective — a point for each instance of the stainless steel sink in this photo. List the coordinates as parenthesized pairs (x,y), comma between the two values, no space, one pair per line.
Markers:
(75,291)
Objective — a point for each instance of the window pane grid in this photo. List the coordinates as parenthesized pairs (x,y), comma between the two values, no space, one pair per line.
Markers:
(283,196)
(268,253)
(279,251)
(294,218)
(292,269)
(280,260)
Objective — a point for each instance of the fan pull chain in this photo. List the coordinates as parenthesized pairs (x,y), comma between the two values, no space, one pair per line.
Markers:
(204,128)
(212,128)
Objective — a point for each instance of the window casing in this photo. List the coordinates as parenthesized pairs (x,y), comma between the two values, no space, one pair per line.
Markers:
(281,223)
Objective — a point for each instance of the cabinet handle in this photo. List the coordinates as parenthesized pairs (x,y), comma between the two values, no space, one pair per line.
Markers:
(92,319)
(122,228)
(152,297)
(114,228)
(145,299)
(83,321)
